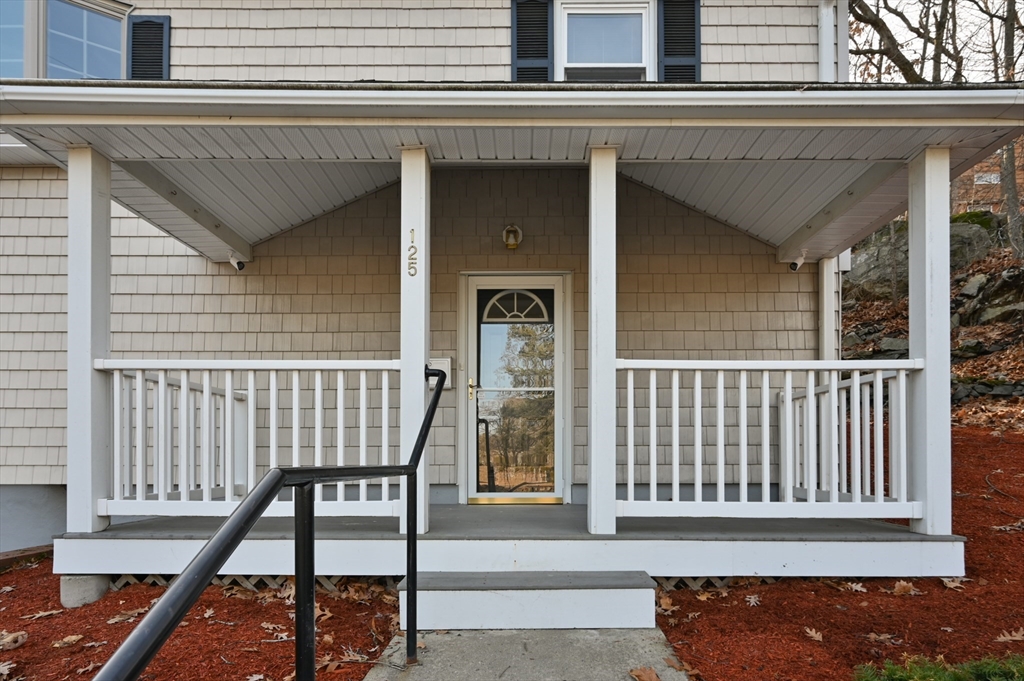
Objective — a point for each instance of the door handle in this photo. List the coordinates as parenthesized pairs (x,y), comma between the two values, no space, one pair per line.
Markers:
(471,388)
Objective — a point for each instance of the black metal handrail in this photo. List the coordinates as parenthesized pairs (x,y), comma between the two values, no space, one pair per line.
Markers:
(131,658)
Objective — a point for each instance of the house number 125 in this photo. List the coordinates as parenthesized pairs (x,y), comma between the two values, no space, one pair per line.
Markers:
(412,254)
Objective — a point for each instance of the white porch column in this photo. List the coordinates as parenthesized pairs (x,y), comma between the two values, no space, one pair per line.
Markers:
(827,41)
(930,465)
(414,268)
(601,344)
(89,392)
(829,331)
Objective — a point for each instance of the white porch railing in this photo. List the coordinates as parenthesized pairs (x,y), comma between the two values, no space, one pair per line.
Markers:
(765,439)
(193,437)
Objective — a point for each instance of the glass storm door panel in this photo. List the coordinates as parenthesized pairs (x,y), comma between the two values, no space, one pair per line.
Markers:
(514,403)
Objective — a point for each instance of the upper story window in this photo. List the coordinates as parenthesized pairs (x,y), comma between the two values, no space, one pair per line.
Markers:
(606,40)
(72,39)
(81,43)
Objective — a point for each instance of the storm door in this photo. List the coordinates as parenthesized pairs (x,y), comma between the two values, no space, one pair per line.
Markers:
(513,393)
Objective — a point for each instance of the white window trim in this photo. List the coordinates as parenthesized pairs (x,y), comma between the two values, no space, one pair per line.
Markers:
(650,37)
(35,31)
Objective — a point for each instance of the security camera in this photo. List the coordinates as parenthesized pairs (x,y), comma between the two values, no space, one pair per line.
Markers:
(236,262)
(798,263)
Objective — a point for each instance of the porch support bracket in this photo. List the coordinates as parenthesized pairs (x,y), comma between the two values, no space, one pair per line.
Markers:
(601,413)
(847,199)
(89,417)
(930,455)
(161,185)
(414,269)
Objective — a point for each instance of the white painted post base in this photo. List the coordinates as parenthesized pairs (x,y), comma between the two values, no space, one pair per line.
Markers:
(79,590)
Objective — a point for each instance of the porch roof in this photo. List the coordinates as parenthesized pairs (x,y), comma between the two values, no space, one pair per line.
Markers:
(222,166)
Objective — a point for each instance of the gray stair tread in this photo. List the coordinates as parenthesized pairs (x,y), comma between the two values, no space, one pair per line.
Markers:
(500,581)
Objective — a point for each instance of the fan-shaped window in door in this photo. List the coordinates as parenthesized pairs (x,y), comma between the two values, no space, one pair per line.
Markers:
(514,307)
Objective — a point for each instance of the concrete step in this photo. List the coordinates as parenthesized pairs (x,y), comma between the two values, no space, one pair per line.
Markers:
(532,600)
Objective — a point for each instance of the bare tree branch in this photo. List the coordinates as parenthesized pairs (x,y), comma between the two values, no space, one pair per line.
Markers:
(890,46)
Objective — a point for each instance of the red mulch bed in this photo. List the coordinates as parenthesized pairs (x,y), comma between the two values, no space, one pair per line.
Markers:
(722,636)
(229,633)
(728,640)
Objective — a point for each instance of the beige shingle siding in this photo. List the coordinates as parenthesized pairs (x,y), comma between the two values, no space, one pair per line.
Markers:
(330,289)
(446,40)
(352,40)
(33,334)
(759,40)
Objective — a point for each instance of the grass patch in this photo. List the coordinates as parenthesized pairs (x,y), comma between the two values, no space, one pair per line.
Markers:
(1010,668)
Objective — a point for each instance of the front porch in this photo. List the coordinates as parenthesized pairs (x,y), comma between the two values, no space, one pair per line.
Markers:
(708,427)
(531,539)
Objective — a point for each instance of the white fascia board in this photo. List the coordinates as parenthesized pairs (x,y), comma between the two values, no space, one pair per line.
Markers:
(305,106)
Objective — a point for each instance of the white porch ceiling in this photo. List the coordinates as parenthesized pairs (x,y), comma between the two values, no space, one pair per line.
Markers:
(782,180)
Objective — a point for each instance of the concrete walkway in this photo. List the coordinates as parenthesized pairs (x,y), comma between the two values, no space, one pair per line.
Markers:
(529,655)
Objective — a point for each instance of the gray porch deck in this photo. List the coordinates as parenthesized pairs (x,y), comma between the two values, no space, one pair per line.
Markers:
(541,523)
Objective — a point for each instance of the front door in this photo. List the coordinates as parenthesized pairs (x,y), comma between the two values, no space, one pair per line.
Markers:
(515,384)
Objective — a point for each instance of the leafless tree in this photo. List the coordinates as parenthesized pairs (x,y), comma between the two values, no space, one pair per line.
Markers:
(934,41)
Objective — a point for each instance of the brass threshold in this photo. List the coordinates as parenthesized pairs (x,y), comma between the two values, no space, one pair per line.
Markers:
(514,500)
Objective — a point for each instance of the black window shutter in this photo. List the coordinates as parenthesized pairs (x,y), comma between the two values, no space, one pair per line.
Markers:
(532,50)
(149,48)
(679,44)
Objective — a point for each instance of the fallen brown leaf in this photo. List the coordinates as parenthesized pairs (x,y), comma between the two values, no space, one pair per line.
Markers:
(644,674)
(1007,637)
(40,615)
(812,633)
(67,641)
(89,667)
(10,641)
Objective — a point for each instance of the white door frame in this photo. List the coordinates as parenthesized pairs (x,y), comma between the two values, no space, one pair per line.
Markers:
(561,282)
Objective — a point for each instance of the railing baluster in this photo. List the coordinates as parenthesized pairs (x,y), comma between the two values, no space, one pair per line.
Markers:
(184,436)
(273,415)
(250,440)
(384,434)
(843,448)
(207,416)
(856,486)
(901,433)
(675,436)
(743,436)
(229,435)
(341,430)
(798,450)
(766,469)
(833,428)
(126,436)
(652,446)
(893,427)
(117,435)
(318,427)
(296,419)
(220,454)
(141,467)
(364,416)
(160,453)
(879,468)
(630,438)
(698,444)
(787,458)
(810,439)
(720,436)
(865,425)
(193,441)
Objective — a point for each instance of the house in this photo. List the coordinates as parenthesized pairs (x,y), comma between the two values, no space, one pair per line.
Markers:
(234,235)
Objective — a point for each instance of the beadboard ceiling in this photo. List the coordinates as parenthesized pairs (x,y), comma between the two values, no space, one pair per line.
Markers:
(262,180)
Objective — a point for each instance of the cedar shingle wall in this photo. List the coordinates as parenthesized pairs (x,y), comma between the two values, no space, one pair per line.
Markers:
(330,289)
(445,40)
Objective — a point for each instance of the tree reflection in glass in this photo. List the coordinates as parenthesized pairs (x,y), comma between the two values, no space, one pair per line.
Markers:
(516,406)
